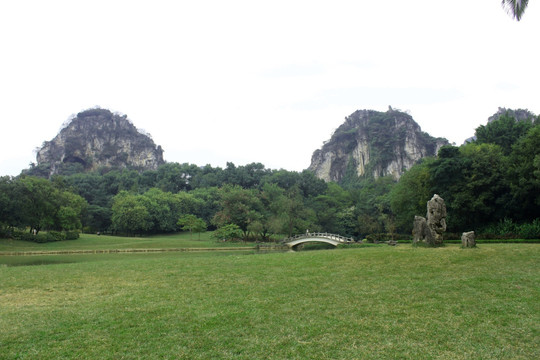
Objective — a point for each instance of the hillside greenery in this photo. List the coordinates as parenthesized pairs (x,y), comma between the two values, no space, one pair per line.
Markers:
(490,185)
(384,133)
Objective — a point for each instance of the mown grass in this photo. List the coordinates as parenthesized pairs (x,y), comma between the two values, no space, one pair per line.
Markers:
(105,242)
(367,303)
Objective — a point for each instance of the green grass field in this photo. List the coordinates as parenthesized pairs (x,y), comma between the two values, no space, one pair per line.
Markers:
(104,242)
(376,302)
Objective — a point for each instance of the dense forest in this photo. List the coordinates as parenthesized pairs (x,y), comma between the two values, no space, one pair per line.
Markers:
(490,185)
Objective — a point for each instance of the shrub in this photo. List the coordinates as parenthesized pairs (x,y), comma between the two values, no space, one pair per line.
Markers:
(42,237)
(451,236)
(378,237)
(56,236)
(72,235)
(228,232)
(5,233)
(356,245)
(507,229)
(530,230)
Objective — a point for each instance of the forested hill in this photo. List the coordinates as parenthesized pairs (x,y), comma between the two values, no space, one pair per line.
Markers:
(491,186)
(374,144)
(97,138)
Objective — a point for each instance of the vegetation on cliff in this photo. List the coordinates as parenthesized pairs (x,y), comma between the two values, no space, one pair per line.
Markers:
(93,139)
(491,185)
(373,144)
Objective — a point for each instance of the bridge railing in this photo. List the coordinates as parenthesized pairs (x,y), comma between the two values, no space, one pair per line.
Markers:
(339,238)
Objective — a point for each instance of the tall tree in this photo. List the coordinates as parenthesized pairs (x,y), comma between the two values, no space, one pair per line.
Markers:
(162,209)
(372,204)
(36,202)
(505,131)
(129,214)
(239,206)
(192,223)
(525,176)
(296,216)
(482,196)
(70,208)
(8,215)
(410,195)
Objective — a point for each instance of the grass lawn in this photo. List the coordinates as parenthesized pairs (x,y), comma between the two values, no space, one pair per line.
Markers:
(377,302)
(105,242)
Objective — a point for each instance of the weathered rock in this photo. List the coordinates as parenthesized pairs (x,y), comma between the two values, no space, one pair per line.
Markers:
(468,240)
(98,138)
(421,231)
(373,143)
(436,219)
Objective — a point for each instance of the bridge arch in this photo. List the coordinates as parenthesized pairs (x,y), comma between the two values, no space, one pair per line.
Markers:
(331,239)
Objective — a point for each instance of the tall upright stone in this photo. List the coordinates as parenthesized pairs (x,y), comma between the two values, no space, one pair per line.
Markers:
(421,231)
(430,231)
(436,219)
(468,240)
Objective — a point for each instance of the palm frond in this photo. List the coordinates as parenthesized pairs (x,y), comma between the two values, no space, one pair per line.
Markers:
(516,8)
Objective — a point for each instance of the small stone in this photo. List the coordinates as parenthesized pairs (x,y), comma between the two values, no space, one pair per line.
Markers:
(468,240)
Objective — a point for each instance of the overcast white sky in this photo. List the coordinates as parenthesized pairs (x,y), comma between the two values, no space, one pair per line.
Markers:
(258,81)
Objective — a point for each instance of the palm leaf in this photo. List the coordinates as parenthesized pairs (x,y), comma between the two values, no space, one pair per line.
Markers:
(516,8)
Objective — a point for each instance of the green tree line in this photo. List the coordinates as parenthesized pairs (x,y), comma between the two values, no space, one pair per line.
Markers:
(491,184)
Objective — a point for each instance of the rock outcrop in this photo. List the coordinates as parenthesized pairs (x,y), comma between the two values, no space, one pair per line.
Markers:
(430,232)
(97,138)
(468,240)
(518,115)
(374,143)
(436,219)
(421,232)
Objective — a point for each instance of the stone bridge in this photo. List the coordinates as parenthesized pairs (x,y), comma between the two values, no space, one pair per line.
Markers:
(332,239)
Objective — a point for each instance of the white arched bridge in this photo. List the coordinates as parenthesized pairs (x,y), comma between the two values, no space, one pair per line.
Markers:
(332,239)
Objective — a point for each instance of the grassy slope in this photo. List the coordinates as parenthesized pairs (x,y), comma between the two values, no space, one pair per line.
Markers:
(371,303)
(104,242)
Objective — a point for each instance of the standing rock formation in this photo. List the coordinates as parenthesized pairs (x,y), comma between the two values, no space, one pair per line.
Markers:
(436,218)
(97,138)
(374,143)
(430,231)
(468,240)
(421,232)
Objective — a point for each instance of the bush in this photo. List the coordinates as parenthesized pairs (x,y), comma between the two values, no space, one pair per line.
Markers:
(5,233)
(42,237)
(56,236)
(507,229)
(530,230)
(451,236)
(357,245)
(228,232)
(498,241)
(88,230)
(72,235)
(493,236)
(379,237)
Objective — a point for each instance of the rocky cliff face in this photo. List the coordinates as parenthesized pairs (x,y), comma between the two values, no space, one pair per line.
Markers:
(372,143)
(97,138)
(519,114)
